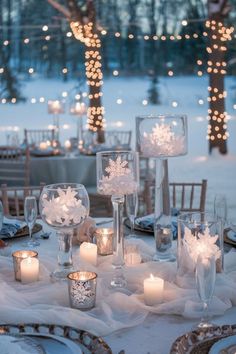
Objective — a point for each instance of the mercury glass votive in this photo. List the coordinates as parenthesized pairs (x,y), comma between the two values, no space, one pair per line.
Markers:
(82,289)
(104,240)
(17,258)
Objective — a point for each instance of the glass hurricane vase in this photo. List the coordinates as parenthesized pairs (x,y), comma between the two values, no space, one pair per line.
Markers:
(161,137)
(117,176)
(64,206)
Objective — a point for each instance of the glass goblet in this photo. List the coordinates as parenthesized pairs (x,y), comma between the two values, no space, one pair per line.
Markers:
(64,206)
(117,176)
(30,214)
(131,204)
(205,282)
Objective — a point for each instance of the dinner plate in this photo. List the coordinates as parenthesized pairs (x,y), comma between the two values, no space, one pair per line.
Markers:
(56,339)
(230,237)
(226,345)
(24,231)
(201,341)
(137,227)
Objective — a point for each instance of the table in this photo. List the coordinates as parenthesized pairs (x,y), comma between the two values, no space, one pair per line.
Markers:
(70,169)
(154,335)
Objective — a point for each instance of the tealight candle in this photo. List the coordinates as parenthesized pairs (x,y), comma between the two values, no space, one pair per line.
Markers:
(67,144)
(43,145)
(153,290)
(88,252)
(104,239)
(18,256)
(29,268)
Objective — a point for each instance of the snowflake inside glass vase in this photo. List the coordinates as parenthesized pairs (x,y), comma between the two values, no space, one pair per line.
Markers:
(117,175)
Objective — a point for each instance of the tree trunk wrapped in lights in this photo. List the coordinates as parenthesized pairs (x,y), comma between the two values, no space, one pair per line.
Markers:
(218,36)
(83,26)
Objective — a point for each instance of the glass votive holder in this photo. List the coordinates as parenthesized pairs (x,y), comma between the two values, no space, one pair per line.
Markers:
(82,289)
(17,258)
(104,240)
(132,255)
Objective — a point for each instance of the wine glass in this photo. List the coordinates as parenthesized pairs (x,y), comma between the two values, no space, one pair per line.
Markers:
(1,215)
(117,176)
(131,204)
(205,281)
(30,214)
(64,206)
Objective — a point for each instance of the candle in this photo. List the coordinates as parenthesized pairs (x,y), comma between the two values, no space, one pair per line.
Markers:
(67,144)
(153,290)
(88,253)
(18,256)
(104,239)
(132,254)
(82,289)
(43,145)
(29,268)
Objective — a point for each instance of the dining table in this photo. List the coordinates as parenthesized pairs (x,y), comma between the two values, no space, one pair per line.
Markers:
(70,168)
(124,326)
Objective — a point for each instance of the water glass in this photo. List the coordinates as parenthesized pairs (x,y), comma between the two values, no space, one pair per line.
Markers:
(30,213)
(131,204)
(205,282)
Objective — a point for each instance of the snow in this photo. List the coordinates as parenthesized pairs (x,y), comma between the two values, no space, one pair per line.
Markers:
(220,171)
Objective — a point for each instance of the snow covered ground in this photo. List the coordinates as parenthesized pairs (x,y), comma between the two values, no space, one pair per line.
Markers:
(182,92)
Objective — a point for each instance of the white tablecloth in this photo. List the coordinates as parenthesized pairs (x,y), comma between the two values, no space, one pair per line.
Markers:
(70,169)
(154,334)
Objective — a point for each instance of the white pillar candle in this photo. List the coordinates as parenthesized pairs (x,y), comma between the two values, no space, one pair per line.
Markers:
(88,252)
(153,290)
(43,145)
(29,268)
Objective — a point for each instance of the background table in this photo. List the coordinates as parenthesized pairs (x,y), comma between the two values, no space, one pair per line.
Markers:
(70,169)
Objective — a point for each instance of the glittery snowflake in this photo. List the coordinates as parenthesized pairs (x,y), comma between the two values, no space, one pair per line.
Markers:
(162,141)
(120,179)
(64,210)
(204,244)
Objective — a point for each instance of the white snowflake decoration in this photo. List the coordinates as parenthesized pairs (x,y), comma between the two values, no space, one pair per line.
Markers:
(162,141)
(204,244)
(120,179)
(64,210)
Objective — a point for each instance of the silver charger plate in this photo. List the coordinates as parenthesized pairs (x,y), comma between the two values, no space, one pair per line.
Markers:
(21,343)
(201,341)
(56,339)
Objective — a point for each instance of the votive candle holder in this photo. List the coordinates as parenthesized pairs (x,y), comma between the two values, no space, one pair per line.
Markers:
(104,240)
(18,256)
(82,289)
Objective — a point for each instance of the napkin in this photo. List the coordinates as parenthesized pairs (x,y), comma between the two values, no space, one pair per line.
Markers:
(84,232)
(10,227)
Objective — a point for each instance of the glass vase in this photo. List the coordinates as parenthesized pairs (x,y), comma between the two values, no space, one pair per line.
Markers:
(117,175)
(161,137)
(64,206)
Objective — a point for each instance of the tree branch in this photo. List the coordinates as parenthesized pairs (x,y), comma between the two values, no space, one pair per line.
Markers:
(60,8)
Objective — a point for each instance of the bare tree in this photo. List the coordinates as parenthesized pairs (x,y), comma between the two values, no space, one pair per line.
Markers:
(218,35)
(83,24)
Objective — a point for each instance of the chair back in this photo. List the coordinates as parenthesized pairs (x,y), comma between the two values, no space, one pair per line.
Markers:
(13,198)
(33,137)
(118,138)
(186,197)
(14,166)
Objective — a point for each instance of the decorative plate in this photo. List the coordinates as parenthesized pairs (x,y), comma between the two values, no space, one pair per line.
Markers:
(201,341)
(137,227)
(24,231)
(55,339)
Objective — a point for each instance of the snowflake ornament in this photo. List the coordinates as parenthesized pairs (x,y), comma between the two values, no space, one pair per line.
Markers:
(204,244)
(120,179)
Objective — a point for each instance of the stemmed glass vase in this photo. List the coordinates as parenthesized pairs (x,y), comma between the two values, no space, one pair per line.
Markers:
(161,137)
(64,206)
(117,176)
(131,204)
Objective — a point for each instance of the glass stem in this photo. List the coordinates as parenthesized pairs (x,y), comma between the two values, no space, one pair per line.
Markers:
(64,256)
(118,241)
(132,224)
(205,316)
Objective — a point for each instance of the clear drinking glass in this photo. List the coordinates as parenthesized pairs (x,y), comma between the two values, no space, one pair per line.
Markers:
(131,204)
(64,206)
(117,176)
(205,282)
(30,214)
(1,215)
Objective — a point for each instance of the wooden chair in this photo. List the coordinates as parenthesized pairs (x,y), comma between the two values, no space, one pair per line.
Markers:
(33,137)
(14,166)
(100,205)
(186,197)
(118,138)
(13,198)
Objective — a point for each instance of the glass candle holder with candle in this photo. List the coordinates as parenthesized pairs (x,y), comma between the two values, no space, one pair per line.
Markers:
(18,256)
(104,240)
